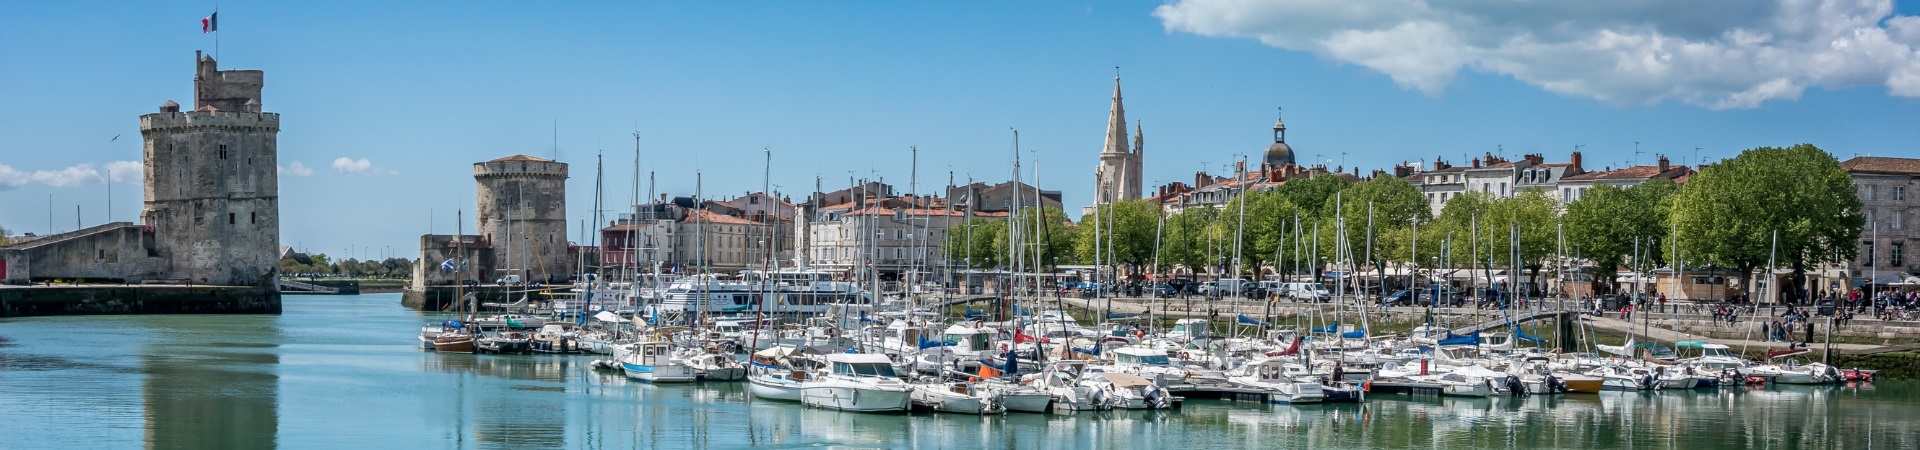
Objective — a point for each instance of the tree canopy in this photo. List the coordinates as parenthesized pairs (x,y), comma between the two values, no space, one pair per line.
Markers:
(1727,214)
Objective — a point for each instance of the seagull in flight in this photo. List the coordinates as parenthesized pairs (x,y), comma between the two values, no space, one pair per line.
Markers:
(115,138)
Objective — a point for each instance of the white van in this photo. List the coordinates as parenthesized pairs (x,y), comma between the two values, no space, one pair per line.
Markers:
(1230,286)
(1308,292)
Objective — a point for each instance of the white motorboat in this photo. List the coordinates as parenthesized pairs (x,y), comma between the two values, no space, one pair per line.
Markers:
(653,361)
(1129,391)
(1149,363)
(861,382)
(1061,381)
(954,397)
(1015,397)
(1280,379)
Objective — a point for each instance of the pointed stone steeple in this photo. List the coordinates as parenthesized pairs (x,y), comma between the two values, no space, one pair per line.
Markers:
(1116,123)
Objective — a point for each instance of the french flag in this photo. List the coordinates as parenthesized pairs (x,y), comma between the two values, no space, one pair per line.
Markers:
(210,23)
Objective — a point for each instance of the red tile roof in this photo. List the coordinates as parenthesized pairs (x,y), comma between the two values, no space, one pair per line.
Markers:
(1881,164)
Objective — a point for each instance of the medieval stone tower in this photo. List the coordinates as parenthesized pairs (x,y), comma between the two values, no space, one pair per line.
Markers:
(212,190)
(523,214)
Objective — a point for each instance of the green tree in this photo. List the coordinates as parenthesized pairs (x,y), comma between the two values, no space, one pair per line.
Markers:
(1728,213)
(972,243)
(1524,227)
(1314,195)
(1125,232)
(1185,242)
(1269,216)
(1055,236)
(1602,225)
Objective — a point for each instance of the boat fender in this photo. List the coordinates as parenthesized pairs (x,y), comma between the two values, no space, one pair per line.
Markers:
(1366,385)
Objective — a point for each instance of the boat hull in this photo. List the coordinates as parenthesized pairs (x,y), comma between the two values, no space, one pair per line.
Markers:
(776,388)
(1028,403)
(844,398)
(723,374)
(459,345)
(671,373)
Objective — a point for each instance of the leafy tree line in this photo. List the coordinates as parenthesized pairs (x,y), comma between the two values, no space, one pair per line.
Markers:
(321,264)
(1724,216)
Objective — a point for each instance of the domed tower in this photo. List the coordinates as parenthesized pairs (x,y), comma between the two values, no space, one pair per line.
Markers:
(523,213)
(1279,154)
(212,192)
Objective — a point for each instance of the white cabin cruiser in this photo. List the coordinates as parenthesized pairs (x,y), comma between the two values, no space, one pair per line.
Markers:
(860,382)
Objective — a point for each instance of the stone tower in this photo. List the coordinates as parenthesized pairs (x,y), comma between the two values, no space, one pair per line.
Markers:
(212,191)
(523,213)
(1119,170)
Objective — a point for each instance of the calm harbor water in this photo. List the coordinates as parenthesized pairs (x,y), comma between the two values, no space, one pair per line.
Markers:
(346,371)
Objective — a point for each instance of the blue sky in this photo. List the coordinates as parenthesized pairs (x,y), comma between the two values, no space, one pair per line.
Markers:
(420,91)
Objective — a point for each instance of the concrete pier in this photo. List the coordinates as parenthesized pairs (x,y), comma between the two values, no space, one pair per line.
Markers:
(20,301)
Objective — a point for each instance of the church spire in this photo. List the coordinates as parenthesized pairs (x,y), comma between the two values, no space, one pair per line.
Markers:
(1116,123)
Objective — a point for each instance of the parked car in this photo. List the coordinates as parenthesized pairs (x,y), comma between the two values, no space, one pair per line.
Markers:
(1447,297)
(1403,297)
(1164,290)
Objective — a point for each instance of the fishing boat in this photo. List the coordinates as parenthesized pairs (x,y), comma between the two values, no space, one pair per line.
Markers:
(652,361)
(860,382)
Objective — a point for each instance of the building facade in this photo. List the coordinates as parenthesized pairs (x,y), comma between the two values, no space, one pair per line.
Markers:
(1887,188)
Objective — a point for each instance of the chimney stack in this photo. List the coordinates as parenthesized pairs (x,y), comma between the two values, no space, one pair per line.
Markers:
(1476,163)
(1576,161)
(1663,163)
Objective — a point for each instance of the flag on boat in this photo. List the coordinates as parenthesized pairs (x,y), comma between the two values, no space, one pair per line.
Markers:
(210,23)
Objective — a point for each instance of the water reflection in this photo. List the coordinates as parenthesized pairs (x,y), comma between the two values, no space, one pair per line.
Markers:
(346,372)
(211,395)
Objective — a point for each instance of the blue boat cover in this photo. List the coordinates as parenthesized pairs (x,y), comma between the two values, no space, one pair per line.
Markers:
(1468,339)
(1243,319)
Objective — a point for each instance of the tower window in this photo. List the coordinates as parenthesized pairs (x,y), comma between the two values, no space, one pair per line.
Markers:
(223,151)
(230,217)
(253,217)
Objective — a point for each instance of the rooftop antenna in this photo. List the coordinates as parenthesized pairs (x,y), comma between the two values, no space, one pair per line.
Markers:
(1636,153)
(556,139)
(1696,156)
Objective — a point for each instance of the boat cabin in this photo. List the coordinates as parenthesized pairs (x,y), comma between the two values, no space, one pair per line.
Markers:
(861,365)
(1141,356)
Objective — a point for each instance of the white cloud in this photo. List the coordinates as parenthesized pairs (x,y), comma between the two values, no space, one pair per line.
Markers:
(1713,53)
(76,175)
(352,166)
(297,169)
(126,171)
